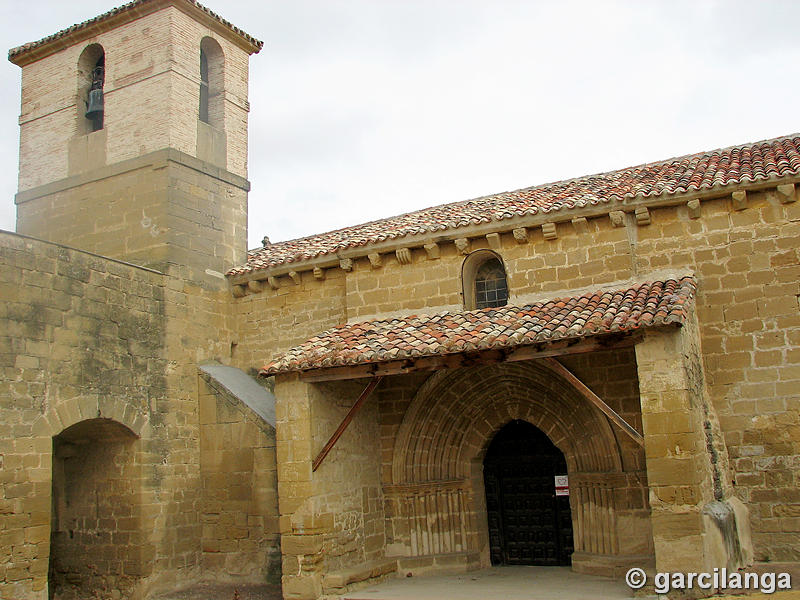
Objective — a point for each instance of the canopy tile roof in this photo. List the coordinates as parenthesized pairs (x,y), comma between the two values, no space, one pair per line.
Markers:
(130,7)
(750,163)
(596,313)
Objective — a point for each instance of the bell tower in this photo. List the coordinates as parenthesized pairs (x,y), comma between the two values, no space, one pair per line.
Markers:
(133,137)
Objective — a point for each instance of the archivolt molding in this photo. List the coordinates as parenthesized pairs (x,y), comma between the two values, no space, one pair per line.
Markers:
(455,414)
(69,412)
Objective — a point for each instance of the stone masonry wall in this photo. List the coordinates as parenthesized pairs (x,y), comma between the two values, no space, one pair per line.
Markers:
(165,210)
(331,520)
(240,489)
(349,478)
(82,338)
(87,338)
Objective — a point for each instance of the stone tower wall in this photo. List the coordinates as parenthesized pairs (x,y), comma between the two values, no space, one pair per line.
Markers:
(151,99)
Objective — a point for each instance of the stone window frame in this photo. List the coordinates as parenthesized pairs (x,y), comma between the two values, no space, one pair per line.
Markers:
(469,274)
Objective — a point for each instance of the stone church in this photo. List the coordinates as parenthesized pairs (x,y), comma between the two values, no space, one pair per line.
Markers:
(601,372)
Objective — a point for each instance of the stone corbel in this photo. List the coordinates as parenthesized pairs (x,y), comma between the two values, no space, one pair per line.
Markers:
(580,224)
(694,208)
(346,264)
(319,274)
(521,235)
(295,277)
(255,286)
(739,199)
(549,231)
(493,239)
(375,260)
(786,193)
(617,218)
(273,282)
(462,244)
(433,250)
(403,256)
(238,291)
(642,215)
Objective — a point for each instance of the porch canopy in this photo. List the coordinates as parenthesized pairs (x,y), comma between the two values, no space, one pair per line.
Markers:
(595,320)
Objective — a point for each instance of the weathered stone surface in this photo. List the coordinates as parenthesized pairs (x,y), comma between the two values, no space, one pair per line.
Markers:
(739,199)
(433,251)
(694,208)
(493,239)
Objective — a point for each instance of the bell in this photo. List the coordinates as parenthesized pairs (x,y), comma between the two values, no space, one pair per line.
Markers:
(95,107)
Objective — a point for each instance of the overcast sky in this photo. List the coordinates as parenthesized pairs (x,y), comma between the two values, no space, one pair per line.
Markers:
(362,109)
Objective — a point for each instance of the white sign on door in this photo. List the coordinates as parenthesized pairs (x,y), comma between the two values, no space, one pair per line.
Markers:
(562,485)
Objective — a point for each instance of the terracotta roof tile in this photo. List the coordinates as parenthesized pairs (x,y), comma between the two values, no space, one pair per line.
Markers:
(594,313)
(758,161)
(14,52)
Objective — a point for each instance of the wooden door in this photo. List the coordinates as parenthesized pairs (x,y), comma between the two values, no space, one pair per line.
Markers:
(528,523)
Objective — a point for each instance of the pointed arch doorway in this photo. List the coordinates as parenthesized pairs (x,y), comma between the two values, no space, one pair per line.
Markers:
(528,523)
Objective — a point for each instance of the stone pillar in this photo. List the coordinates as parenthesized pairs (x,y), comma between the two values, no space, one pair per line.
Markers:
(696,523)
(302,532)
(332,520)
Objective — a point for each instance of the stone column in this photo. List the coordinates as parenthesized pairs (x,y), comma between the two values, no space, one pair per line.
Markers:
(696,524)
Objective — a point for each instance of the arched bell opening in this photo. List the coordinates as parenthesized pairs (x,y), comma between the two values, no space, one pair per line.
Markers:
(212,83)
(527,502)
(91,81)
(96,533)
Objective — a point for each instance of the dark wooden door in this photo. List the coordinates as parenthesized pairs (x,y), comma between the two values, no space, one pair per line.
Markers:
(528,523)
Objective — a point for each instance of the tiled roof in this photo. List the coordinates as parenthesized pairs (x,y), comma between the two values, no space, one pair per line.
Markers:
(753,162)
(595,313)
(119,10)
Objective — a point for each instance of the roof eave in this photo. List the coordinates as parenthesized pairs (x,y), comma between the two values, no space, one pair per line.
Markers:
(34,51)
(456,360)
(626,203)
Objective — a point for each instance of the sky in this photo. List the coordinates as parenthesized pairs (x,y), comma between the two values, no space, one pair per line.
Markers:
(363,109)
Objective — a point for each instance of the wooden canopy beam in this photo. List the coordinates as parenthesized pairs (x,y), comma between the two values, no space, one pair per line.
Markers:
(345,422)
(471,359)
(596,400)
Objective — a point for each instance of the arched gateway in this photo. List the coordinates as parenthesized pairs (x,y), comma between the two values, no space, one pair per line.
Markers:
(438,495)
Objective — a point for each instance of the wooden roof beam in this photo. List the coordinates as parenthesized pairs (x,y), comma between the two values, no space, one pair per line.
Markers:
(351,414)
(613,416)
